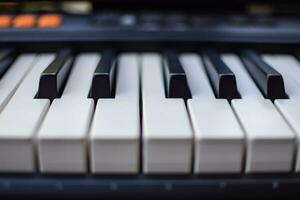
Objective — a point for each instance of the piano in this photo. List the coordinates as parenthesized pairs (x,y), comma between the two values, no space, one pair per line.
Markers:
(150,99)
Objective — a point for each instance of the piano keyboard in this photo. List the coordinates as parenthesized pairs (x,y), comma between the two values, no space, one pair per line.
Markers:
(150,113)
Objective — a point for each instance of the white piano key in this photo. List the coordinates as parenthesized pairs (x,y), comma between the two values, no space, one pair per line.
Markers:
(167,134)
(289,108)
(62,137)
(218,140)
(270,141)
(20,120)
(14,76)
(127,86)
(115,131)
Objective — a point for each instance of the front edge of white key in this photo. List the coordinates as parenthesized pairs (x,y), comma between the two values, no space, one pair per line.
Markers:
(219,140)
(167,137)
(270,141)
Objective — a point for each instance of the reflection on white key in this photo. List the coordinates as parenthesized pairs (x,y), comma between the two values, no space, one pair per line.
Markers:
(270,141)
(20,120)
(167,135)
(289,68)
(115,130)
(62,136)
(14,76)
(218,137)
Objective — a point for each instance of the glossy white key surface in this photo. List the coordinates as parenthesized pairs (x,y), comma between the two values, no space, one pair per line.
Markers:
(115,130)
(14,76)
(167,134)
(289,68)
(62,139)
(219,140)
(20,120)
(270,141)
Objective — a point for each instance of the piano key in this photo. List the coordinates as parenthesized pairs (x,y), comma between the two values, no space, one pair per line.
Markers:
(103,79)
(167,134)
(14,76)
(7,57)
(196,77)
(219,143)
(269,81)
(292,64)
(176,83)
(288,66)
(297,55)
(221,77)
(20,120)
(270,141)
(62,137)
(53,78)
(115,130)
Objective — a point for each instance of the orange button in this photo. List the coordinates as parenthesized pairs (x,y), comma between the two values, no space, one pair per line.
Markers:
(5,21)
(24,21)
(49,21)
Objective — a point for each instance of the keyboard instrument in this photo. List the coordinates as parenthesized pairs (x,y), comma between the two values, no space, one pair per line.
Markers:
(149,104)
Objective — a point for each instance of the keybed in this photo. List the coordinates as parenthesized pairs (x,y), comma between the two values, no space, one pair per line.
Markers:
(152,113)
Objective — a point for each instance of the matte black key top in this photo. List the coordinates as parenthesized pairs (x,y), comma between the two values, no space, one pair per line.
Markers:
(221,77)
(176,82)
(268,80)
(54,77)
(7,56)
(104,76)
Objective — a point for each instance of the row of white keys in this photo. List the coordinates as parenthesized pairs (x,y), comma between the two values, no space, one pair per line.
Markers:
(289,67)
(167,134)
(115,130)
(62,138)
(14,76)
(269,139)
(218,140)
(20,120)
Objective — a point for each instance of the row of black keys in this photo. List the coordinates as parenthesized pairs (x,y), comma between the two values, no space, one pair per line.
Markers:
(223,80)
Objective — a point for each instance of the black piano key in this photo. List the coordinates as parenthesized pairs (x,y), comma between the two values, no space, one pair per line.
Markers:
(104,76)
(297,55)
(7,56)
(268,80)
(54,77)
(221,77)
(176,82)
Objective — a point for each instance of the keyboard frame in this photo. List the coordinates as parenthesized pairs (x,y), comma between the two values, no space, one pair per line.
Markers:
(179,186)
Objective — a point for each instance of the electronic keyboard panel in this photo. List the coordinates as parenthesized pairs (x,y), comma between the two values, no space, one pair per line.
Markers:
(109,122)
(149,26)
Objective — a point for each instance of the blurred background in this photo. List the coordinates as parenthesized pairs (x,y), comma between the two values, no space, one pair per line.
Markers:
(274,7)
